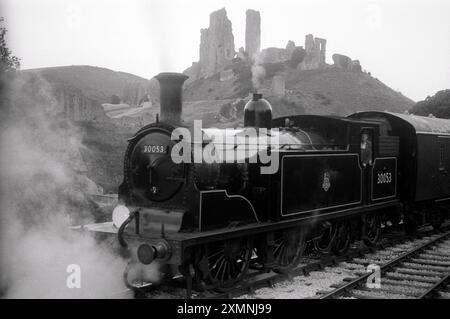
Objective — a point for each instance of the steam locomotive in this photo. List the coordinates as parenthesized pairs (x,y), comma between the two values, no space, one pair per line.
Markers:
(338,179)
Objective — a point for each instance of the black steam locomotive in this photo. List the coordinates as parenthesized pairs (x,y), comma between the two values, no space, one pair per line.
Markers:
(338,179)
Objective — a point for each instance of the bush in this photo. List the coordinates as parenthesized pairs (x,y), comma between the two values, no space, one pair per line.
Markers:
(114,99)
(438,105)
(8,62)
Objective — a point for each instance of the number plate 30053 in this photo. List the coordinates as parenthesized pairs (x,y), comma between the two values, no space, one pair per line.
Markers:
(155,149)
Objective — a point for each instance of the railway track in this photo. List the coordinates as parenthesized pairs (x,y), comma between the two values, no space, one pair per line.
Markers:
(422,272)
(391,243)
(396,243)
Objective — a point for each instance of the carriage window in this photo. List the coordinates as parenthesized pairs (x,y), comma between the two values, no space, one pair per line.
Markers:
(442,156)
(366,148)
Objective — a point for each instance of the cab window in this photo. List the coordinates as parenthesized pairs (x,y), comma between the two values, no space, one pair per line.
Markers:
(441,156)
(366,148)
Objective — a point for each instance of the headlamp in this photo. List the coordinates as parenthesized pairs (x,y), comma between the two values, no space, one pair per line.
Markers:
(120,215)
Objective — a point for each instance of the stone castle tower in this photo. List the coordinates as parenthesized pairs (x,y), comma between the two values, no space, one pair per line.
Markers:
(216,44)
(252,33)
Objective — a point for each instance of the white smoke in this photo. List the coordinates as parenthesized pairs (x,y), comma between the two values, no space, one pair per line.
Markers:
(41,196)
(258,71)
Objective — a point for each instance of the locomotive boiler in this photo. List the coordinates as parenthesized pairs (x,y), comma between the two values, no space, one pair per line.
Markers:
(292,183)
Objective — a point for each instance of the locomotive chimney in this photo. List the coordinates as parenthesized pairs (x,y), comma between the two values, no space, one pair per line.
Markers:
(171,88)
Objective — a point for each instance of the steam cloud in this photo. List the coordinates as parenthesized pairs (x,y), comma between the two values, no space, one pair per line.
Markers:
(41,196)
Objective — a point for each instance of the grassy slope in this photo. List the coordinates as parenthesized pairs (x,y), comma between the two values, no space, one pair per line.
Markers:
(342,92)
(328,91)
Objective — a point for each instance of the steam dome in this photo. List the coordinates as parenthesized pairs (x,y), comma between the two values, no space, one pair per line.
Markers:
(258,112)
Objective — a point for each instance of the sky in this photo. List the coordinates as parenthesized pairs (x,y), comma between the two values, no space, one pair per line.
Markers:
(403,43)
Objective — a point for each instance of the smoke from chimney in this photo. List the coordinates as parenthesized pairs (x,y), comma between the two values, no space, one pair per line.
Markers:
(258,71)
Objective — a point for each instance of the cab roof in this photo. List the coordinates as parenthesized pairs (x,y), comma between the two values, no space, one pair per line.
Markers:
(421,124)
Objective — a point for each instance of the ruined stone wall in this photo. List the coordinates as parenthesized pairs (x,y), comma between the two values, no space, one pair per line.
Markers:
(309,43)
(346,63)
(290,47)
(315,53)
(341,61)
(217,49)
(320,45)
(252,33)
(274,55)
(216,44)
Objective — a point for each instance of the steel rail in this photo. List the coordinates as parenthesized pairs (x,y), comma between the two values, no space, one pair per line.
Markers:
(340,291)
(435,288)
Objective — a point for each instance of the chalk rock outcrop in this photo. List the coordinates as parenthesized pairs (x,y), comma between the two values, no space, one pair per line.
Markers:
(133,93)
(76,106)
(216,44)
(252,33)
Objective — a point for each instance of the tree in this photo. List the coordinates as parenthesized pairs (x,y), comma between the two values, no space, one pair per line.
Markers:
(438,105)
(297,57)
(8,65)
(8,62)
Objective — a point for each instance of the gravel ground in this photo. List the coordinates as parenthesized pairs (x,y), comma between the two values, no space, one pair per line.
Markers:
(308,286)
(304,286)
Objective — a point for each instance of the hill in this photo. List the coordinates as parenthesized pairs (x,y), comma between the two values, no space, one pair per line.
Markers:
(94,82)
(322,91)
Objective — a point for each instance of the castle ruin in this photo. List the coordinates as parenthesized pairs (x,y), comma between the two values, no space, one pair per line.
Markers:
(216,44)
(217,49)
(315,53)
(252,33)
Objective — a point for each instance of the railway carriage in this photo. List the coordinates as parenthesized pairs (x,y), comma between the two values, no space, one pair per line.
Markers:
(423,147)
(339,179)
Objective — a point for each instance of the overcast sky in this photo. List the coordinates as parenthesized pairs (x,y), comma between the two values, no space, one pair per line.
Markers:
(404,43)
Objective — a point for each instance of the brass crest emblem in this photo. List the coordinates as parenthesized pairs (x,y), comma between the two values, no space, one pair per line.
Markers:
(326,181)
